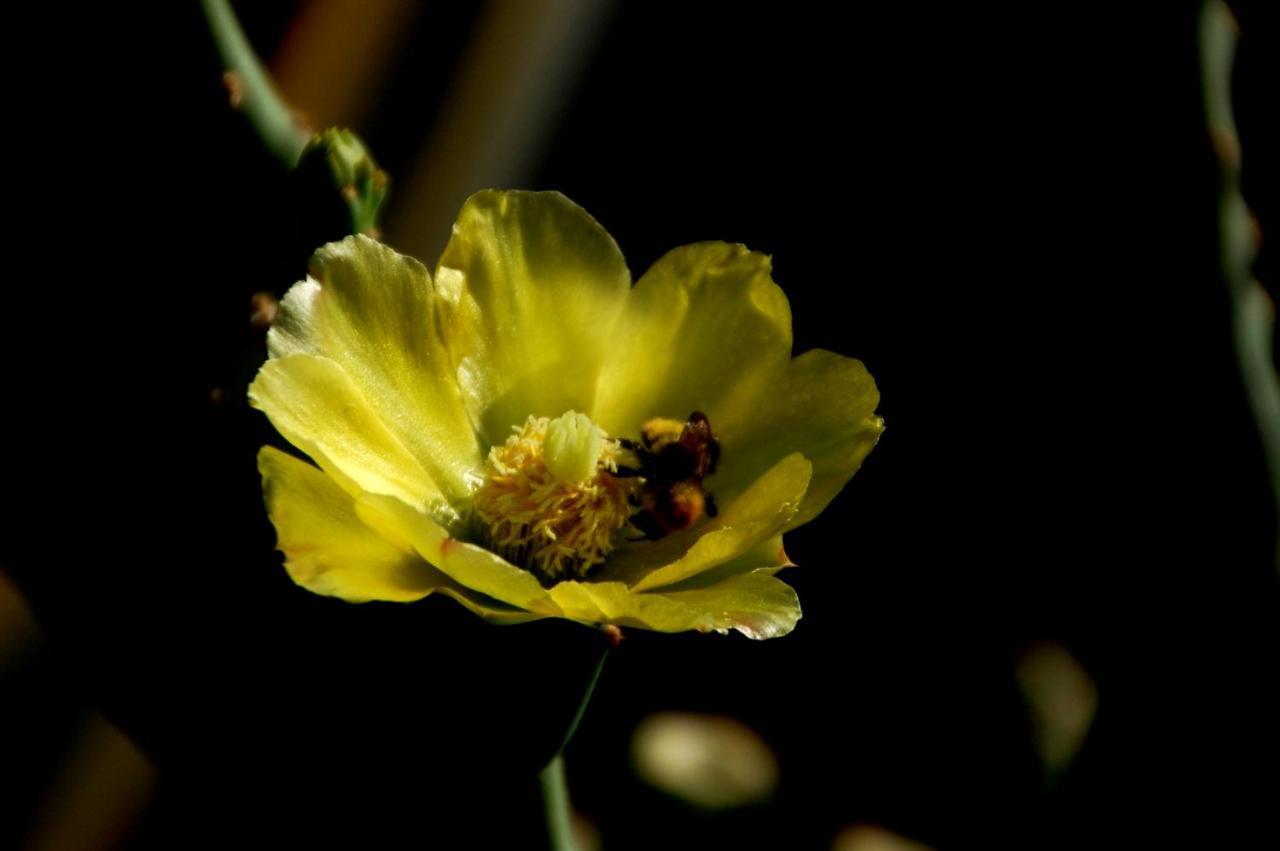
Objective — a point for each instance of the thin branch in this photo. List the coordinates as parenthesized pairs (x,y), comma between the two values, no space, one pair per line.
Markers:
(1253,314)
(251,89)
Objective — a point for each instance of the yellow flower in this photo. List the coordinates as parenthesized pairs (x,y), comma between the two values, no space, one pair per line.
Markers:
(496,410)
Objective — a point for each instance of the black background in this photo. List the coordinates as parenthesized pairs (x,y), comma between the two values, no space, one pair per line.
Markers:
(1007,214)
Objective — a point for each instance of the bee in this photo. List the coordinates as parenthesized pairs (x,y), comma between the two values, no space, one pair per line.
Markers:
(673,458)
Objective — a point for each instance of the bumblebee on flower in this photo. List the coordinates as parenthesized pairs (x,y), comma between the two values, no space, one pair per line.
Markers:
(516,430)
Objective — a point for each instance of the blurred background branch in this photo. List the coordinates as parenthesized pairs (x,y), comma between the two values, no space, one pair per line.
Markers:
(511,85)
(1252,311)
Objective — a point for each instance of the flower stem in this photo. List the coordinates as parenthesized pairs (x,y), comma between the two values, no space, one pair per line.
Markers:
(252,91)
(555,791)
(555,799)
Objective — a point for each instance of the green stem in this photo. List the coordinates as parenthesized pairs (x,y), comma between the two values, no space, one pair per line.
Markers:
(1252,313)
(253,93)
(555,791)
(555,800)
(586,698)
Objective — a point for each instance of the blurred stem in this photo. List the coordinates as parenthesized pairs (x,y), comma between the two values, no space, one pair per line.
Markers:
(555,791)
(555,798)
(1252,312)
(252,91)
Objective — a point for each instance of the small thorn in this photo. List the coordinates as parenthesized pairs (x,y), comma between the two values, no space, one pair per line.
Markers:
(232,82)
(303,122)
(1226,146)
(264,307)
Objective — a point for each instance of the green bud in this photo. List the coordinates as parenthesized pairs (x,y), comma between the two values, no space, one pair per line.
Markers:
(361,187)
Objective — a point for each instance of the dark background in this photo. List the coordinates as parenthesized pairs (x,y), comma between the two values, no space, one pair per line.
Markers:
(1009,215)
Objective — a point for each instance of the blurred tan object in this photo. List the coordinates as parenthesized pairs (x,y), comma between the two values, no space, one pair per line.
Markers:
(870,837)
(98,796)
(503,105)
(263,308)
(710,761)
(336,55)
(1063,700)
(586,836)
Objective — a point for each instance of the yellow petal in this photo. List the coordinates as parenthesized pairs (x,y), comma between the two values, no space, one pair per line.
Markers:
(374,313)
(755,604)
(471,566)
(757,515)
(824,408)
(318,408)
(705,329)
(769,556)
(533,285)
(329,551)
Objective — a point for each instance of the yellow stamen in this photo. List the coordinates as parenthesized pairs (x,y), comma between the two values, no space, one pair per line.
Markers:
(557,523)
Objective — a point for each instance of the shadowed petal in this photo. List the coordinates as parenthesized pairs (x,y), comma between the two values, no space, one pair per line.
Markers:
(768,556)
(329,551)
(468,564)
(823,408)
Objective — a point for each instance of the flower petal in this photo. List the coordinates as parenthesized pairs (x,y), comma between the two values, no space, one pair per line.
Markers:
(329,551)
(756,604)
(318,408)
(471,566)
(533,285)
(374,312)
(768,556)
(824,408)
(757,515)
(705,329)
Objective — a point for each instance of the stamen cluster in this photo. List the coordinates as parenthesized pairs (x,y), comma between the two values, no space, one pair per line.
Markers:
(556,528)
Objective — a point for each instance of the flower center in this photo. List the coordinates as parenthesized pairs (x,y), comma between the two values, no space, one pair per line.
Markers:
(549,501)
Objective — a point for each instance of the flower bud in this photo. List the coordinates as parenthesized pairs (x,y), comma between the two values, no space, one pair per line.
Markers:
(340,186)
